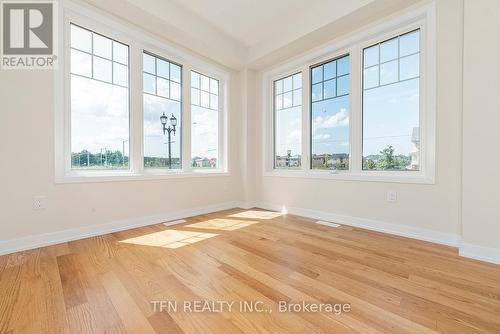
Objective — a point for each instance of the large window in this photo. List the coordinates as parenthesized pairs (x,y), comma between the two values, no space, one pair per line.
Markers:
(391,81)
(204,121)
(288,121)
(162,113)
(99,75)
(330,115)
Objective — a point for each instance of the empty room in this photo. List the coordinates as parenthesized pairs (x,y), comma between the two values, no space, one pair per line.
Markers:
(249,166)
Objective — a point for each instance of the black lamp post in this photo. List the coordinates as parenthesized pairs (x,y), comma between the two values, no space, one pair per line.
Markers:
(288,157)
(168,129)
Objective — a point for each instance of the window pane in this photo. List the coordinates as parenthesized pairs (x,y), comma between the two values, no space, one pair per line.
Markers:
(205,99)
(81,39)
(343,66)
(195,80)
(389,72)
(214,86)
(317,92)
(330,70)
(175,73)
(175,91)
(162,68)
(149,83)
(370,77)
(409,67)
(120,53)
(343,85)
(120,74)
(149,64)
(163,87)
(370,56)
(102,69)
(214,102)
(297,81)
(195,96)
(205,83)
(317,74)
(102,46)
(81,63)
(288,126)
(278,86)
(389,50)
(329,89)
(409,43)
(287,84)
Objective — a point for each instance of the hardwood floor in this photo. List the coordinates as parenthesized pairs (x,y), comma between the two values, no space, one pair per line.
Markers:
(112,283)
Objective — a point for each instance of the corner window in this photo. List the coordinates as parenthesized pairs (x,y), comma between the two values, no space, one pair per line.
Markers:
(204,121)
(288,121)
(99,79)
(391,104)
(330,115)
(162,113)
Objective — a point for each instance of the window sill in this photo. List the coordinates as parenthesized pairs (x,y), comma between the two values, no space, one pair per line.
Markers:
(389,177)
(120,176)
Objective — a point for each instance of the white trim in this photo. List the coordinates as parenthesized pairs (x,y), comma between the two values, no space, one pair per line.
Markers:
(481,253)
(52,238)
(138,40)
(422,18)
(413,232)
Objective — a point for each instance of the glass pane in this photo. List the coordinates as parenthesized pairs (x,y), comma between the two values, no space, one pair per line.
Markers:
(205,83)
(370,77)
(163,87)
(297,97)
(389,72)
(195,96)
(161,150)
(288,137)
(99,125)
(409,43)
(343,85)
(81,63)
(370,56)
(330,70)
(102,69)
(317,74)
(149,63)
(330,134)
(278,86)
(329,89)
(409,67)
(149,83)
(162,68)
(214,86)
(120,74)
(287,100)
(278,100)
(102,46)
(195,80)
(205,99)
(214,101)
(391,127)
(81,39)
(317,92)
(297,81)
(343,66)
(175,73)
(389,50)
(287,84)
(120,53)
(175,91)
(204,138)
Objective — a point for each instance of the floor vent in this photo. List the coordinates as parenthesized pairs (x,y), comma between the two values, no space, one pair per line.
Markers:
(322,222)
(174,222)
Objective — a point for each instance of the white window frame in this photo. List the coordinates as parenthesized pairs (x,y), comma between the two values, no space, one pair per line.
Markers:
(422,18)
(138,41)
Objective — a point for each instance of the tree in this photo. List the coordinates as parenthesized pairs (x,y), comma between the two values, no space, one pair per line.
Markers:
(386,160)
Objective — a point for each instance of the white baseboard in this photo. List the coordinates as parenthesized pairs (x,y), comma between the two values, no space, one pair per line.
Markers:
(52,238)
(480,252)
(448,239)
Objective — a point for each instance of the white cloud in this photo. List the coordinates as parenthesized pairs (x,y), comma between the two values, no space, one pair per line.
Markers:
(339,119)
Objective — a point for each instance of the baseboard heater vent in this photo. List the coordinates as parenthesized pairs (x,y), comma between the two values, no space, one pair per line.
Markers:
(322,222)
(174,222)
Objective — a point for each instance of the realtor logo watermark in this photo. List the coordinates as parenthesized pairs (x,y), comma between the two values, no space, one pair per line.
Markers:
(28,34)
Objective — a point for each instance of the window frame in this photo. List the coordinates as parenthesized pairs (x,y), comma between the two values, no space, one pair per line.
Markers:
(138,42)
(422,18)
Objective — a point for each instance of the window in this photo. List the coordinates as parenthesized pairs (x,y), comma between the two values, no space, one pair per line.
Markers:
(288,121)
(330,115)
(99,78)
(391,81)
(204,121)
(162,113)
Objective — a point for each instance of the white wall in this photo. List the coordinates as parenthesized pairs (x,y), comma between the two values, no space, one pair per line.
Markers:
(481,120)
(434,207)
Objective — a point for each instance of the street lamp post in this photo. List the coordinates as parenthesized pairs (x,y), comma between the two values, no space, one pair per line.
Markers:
(288,157)
(169,129)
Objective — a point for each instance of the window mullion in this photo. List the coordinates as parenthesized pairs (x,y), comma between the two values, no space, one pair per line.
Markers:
(186,118)
(136,110)
(356,117)
(306,119)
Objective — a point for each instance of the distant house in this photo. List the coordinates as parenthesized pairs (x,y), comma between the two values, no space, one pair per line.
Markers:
(415,155)
(329,160)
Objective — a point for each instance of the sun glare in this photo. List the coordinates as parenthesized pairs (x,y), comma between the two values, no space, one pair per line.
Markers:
(255,214)
(223,224)
(169,238)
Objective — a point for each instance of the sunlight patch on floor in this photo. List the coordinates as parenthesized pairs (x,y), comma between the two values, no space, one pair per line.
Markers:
(169,238)
(222,224)
(255,214)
